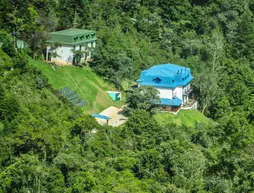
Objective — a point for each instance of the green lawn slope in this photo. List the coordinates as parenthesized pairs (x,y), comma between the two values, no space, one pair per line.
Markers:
(83,81)
(185,117)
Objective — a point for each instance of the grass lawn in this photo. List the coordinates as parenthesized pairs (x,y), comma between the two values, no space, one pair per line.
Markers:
(83,81)
(184,117)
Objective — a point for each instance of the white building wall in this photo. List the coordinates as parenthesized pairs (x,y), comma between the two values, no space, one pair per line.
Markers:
(64,54)
(178,92)
(164,92)
(170,93)
(186,88)
(90,44)
(86,49)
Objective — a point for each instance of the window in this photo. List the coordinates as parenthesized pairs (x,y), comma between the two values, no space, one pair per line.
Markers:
(75,39)
(82,37)
(157,80)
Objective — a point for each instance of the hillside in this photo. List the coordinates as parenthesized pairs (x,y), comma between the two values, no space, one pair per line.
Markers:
(184,117)
(49,145)
(83,81)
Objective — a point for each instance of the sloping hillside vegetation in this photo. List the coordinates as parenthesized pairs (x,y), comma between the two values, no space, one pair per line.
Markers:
(49,145)
(83,81)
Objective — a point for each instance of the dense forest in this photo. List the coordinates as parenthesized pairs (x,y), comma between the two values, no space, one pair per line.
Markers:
(49,145)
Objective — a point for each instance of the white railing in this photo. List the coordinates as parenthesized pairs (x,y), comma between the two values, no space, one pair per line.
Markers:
(191,104)
(187,91)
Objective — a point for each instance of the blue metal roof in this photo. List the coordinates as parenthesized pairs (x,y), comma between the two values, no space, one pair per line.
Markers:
(171,102)
(165,75)
(101,116)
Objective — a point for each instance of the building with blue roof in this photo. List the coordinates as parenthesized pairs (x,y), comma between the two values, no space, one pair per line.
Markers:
(171,80)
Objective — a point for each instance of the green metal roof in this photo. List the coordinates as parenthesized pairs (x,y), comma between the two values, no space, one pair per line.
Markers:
(72,36)
(72,32)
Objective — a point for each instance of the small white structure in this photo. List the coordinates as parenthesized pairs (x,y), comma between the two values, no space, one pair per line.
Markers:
(63,46)
(115,95)
(173,83)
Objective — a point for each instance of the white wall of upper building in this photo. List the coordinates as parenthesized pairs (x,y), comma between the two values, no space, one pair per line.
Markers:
(178,92)
(65,52)
(186,88)
(87,49)
(169,93)
(164,92)
(91,44)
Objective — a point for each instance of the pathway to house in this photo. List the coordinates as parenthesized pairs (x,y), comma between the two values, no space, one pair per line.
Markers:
(115,114)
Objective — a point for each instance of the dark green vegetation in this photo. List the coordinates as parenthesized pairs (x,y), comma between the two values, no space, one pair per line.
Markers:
(143,98)
(48,145)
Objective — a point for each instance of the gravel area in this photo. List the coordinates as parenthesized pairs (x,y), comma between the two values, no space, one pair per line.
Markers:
(115,114)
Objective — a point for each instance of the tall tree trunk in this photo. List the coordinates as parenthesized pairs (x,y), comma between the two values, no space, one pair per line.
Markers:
(203,108)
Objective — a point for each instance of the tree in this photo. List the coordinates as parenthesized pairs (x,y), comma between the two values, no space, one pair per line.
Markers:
(185,162)
(244,40)
(7,44)
(206,87)
(139,121)
(71,13)
(143,97)
(36,39)
(20,61)
(114,56)
(9,108)
(215,50)
(26,173)
(82,181)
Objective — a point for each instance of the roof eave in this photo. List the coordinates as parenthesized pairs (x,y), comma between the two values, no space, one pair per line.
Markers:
(68,43)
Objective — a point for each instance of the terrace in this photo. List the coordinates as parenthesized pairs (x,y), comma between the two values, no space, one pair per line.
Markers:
(190,104)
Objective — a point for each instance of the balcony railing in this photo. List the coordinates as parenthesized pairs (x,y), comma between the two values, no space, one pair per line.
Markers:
(187,91)
(190,104)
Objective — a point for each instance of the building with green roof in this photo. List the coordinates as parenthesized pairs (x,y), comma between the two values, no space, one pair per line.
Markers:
(64,45)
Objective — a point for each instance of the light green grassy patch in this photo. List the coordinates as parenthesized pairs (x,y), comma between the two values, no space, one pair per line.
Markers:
(83,81)
(126,84)
(188,118)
